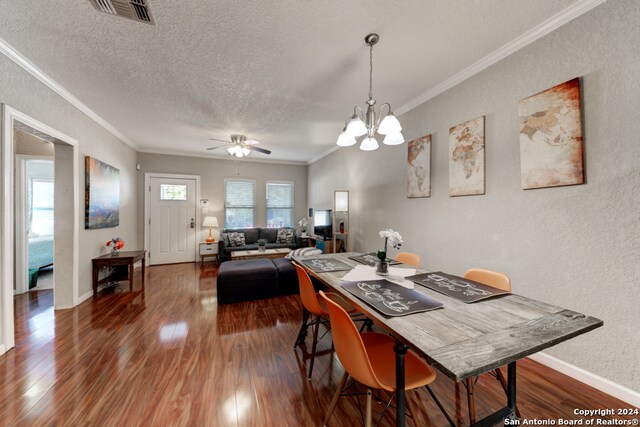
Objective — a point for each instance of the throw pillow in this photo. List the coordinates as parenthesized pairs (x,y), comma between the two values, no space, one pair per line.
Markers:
(285,235)
(303,252)
(236,239)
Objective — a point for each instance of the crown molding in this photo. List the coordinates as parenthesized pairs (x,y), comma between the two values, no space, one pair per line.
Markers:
(151,150)
(324,154)
(556,21)
(7,50)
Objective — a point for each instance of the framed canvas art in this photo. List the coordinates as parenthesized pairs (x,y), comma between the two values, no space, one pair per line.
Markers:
(551,137)
(466,158)
(419,167)
(102,194)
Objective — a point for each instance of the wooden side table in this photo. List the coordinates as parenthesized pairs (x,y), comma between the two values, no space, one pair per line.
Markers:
(123,258)
(208,249)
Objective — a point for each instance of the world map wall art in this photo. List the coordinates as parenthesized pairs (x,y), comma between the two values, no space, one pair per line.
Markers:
(551,137)
(419,167)
(466,158)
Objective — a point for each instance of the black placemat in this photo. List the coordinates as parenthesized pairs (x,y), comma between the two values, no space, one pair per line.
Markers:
(389,298)
(371,259)
(325,265)
(456,287)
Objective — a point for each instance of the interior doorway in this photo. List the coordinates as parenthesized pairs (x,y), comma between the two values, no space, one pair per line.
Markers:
(65,210)
(34,214)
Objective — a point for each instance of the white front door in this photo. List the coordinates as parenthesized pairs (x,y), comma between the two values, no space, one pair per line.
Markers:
(172,215)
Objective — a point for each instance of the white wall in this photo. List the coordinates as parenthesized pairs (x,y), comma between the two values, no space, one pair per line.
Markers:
(20,90)
(212,174)
(577,247)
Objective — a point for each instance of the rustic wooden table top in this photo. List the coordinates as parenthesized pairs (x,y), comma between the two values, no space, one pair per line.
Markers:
(466,340)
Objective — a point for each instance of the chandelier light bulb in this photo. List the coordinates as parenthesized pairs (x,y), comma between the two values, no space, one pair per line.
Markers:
(345,140)
(393,139)
(369,144)
(356,127)
(389,125)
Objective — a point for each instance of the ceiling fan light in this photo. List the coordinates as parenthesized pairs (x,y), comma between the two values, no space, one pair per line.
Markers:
(369,144)
(389,125)
(394,139)
(231,150)
(245,151)
(356,127)
(345,140)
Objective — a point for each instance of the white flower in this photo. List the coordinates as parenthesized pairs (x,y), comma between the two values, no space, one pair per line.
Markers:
(303,223)
(393,236)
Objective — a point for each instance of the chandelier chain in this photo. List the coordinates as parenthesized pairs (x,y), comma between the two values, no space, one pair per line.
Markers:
(371,71)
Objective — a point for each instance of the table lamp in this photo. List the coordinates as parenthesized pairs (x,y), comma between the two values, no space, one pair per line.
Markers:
(210,221)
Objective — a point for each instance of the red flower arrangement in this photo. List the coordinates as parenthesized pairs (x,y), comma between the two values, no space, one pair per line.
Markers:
(116,244)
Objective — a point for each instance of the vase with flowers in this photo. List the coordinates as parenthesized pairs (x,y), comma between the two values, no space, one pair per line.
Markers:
(389,235)
(115,244)
(303,223)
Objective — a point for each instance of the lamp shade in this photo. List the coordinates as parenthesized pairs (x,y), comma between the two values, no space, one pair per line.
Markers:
(393,139)
(341,200)
(356,127)
(345,140)
(210,221)
(389,125)
(369,144)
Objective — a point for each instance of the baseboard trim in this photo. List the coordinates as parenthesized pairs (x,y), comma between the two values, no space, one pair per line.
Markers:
(84,297)
(606,386)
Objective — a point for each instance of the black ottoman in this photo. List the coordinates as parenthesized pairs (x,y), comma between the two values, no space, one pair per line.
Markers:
(287,277)
(247,280)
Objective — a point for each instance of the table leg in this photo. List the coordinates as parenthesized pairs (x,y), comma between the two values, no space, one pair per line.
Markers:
(143,273)
(511,389)
(95,281)
(401,350)
(131,277)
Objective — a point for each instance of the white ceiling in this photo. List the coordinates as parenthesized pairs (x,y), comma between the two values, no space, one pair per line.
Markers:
(286,73)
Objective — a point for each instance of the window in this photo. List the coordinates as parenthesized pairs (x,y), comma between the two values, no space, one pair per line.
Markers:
(41,204)
(239,203)
(173,192)
(279,204)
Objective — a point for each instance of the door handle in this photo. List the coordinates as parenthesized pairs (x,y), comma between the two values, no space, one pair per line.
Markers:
(193,223)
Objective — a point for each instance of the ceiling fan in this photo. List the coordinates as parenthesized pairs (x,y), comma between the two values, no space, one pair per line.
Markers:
(239,146)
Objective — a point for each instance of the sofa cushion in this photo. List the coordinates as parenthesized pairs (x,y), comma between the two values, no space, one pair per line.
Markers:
(302,252)
(285,235)
(251,235)
(236,239)
(241,248)
(246,280)
(225,238)
(269,234)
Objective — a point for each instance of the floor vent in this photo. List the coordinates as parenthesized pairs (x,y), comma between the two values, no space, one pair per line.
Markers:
(136,10)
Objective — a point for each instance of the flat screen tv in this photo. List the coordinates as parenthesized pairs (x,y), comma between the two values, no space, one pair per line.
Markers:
(323,223)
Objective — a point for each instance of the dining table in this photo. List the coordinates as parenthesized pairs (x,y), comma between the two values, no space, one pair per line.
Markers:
(464,340)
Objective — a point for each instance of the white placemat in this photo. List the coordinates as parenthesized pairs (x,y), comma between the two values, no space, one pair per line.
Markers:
(396,275)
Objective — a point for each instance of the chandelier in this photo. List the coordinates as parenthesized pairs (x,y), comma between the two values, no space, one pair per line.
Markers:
(366,123)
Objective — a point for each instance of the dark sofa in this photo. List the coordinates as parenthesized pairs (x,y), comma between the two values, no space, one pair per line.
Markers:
(251,236)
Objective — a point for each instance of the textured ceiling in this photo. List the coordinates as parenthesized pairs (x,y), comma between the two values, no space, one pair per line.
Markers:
(286,73)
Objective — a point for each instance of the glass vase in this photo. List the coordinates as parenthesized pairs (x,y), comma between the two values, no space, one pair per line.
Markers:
(262,248)
(382,268)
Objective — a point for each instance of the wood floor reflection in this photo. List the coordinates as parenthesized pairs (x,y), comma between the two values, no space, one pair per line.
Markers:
(172,356)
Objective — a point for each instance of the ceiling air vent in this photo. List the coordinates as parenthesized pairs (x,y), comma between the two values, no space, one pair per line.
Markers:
(131,9)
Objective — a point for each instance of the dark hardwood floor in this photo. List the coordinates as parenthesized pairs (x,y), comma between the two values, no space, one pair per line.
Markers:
(172,356)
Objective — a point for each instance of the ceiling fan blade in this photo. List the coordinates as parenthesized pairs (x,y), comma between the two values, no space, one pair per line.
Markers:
(251,142)
(258,149)
(219,146)
(221,140)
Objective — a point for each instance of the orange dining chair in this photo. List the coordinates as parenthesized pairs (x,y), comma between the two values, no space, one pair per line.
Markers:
(316,309)
(499,281)
(408,258)
(370,360)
